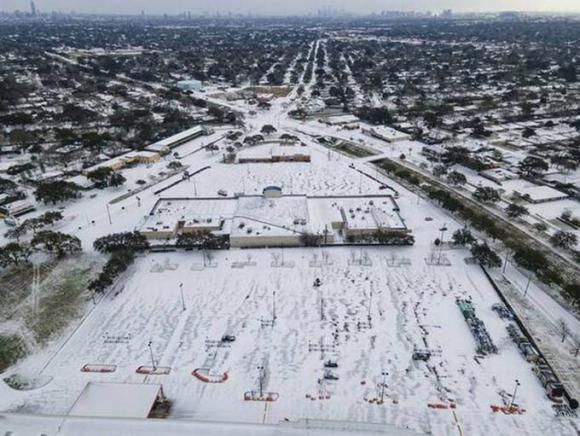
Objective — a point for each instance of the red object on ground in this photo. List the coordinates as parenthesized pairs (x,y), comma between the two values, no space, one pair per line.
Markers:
(437,406)
(149,370)
(99,368)
(202,374)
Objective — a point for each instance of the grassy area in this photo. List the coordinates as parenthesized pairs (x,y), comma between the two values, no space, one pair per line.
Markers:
(353,150)
(12,348)
(61,301)
(16,286)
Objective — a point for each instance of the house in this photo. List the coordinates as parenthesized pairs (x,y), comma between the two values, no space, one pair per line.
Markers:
(16,208)
(387,134)
(539,194)
(341,120)
(190,85)
(142,157)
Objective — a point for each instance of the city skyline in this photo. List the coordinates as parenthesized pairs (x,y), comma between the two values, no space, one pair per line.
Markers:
(298,7)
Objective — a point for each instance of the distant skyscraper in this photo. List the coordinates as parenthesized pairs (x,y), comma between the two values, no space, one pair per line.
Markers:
(32,9)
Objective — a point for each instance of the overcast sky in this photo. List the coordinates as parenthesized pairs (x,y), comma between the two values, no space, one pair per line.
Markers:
(287,6)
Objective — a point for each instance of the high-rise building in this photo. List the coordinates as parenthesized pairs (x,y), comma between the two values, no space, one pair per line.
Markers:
(32,9)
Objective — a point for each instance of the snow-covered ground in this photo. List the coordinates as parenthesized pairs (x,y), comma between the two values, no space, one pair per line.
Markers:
(409,304)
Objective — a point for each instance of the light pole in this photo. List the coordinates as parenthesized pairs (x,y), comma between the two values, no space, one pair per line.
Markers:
(182,298)
(109,214)
(370,302)
(443,230)
(528,285)
(151,354)
(261,379)
(514,394)
(383,385)
(507,255)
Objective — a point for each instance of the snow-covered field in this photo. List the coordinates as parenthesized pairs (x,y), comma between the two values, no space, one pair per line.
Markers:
(409,305)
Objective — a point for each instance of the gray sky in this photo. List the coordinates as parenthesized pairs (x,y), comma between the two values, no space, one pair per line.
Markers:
(287,6)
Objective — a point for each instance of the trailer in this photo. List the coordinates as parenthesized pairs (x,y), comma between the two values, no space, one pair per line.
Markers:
(484,343)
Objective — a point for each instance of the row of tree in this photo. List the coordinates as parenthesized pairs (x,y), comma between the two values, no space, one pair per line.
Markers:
(481,251)
(34,224)
(55,243)
(122,248)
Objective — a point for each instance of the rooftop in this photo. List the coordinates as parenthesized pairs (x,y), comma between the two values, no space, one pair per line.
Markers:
(116,400)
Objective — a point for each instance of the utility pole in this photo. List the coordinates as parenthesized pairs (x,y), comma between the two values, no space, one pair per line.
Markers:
(182,298)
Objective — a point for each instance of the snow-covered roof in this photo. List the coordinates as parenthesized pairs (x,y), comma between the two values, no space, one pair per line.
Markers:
(342,119)
(167,142)
(116,400)
(269,150)
(18,424)
(364,213)
(388,133)
(541,193)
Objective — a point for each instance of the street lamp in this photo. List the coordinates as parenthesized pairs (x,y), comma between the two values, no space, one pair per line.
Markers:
(507,255)
(528,285)
(182,298)
(514,394)
(261,379)
(109,214)
(370,302)
(442,230)
(151,354)
(383,385)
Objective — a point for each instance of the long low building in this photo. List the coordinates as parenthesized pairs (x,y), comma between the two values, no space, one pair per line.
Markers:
(119,162)
(277,220)
(167,144)
(272,153)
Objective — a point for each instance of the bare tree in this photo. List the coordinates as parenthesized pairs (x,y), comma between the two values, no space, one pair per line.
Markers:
(563,328)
